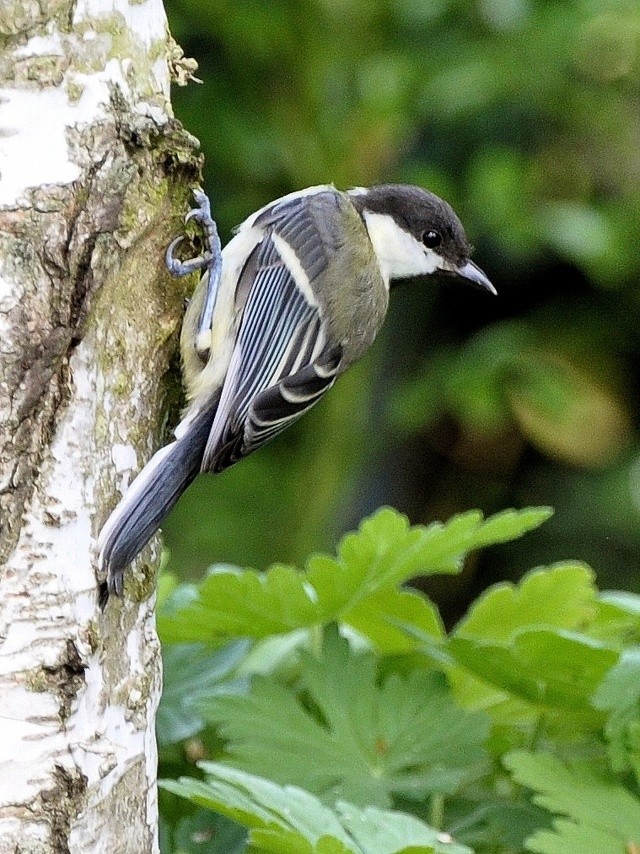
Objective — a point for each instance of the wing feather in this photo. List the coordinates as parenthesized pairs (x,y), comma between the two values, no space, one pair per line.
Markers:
(280,366)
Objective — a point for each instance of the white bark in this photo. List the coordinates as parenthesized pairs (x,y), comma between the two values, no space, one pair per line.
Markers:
(92,172)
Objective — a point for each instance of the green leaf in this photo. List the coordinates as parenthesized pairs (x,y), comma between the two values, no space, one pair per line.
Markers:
(191,672)
(261,805)
(385,552)
(492,823)
(621,687)
(386,616)
(502,642)
(345,736)
(599,810)
(625,601)
(288,820)
(569,838)
(233,603)
(614,623)
(619,696)
(619,617)
(207,833)
(510,525)
(563,596)
(547,668)
(386,832)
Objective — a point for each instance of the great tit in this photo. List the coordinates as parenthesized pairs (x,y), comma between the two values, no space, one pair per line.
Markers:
(294,299)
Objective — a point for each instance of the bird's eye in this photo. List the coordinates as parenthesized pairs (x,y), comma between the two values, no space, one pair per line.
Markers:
(431,239)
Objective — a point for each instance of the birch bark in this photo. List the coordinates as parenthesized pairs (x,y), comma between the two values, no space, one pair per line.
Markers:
(94,178)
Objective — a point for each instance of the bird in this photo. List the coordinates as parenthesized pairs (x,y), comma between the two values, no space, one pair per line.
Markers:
(295,298)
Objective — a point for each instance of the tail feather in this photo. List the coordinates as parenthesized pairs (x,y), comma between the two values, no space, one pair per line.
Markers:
(150,498)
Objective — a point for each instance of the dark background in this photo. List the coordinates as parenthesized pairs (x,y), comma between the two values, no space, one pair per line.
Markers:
(526,117)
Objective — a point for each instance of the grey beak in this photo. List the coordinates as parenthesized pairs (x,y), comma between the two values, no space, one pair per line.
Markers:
(474,275)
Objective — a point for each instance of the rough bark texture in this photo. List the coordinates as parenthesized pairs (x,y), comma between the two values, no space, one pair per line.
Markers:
(94,177)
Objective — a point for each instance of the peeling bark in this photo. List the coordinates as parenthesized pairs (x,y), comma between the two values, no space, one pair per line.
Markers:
(94,179)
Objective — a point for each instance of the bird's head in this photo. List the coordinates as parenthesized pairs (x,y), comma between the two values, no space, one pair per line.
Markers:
(416,233)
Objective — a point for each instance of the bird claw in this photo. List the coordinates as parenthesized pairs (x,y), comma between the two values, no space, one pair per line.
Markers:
(182,268)
(201,213)
(210,260)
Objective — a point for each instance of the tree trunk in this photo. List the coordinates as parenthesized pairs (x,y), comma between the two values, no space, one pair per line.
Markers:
(94,179)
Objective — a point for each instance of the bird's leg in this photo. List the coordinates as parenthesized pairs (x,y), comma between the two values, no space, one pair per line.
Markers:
(210,261)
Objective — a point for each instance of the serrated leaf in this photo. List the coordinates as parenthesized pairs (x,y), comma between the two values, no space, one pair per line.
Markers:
(394,552)
(352,738)
(569,838)
(385,552)
(619,695)
(260,804)
(386,616)
(594,807)
(549,668)
(191,672)
(510,525)
(288,820)
(560,597)
(387,832)
(243,604)
(563,596)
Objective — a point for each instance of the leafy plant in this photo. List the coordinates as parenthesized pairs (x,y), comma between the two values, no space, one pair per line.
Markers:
(344,718)
(359,587)
(288,820)
(368,741)
(599,814)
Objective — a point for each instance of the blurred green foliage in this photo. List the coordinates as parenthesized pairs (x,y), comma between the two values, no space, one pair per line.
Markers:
(337,715)
(525,114)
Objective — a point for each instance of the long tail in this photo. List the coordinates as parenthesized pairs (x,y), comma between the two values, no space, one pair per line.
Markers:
(150,498)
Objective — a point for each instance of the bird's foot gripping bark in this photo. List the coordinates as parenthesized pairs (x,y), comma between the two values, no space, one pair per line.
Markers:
(210,261)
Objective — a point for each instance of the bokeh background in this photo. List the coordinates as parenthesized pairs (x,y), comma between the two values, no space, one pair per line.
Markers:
(525,115)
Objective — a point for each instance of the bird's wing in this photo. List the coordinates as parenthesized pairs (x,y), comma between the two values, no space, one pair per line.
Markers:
(282,363)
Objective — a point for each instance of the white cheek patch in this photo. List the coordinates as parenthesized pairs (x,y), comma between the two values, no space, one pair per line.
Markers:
(399,254)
